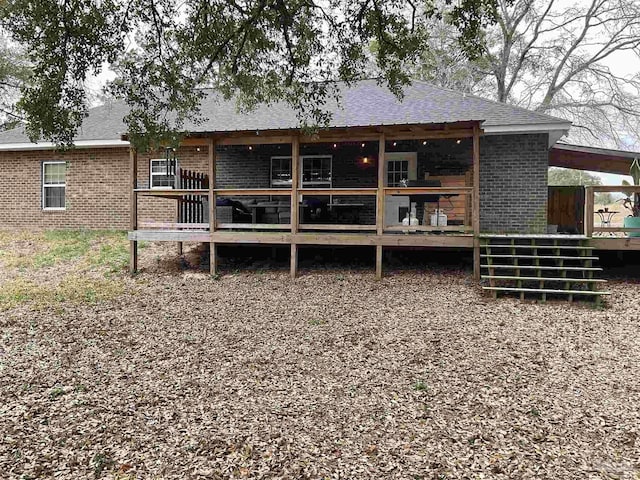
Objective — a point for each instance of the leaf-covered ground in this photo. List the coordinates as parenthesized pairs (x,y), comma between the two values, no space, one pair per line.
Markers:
(174,374)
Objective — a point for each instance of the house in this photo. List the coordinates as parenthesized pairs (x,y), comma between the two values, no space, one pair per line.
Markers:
(461,165)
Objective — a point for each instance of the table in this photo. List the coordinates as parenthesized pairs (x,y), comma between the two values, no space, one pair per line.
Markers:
(605,219)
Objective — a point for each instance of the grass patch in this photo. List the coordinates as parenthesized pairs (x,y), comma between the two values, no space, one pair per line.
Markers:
(74,289)
(97,248)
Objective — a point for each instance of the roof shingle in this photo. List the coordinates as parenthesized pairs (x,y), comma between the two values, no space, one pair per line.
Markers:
(363,104)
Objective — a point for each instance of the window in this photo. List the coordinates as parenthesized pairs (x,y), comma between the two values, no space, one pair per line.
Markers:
(158,177)
(281,172)
(316,171)
(54,185)
(397,170)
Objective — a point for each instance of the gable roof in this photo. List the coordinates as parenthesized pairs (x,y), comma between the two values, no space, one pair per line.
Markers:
(362,104)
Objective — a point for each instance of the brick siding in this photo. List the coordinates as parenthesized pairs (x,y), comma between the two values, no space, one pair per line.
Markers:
(513,180)
(513,183)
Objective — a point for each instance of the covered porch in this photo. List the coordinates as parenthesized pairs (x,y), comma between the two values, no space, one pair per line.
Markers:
(583,210)
(338,187)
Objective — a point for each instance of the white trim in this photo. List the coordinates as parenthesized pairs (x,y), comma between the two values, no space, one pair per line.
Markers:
(151,174)
(411,157)
(52,146)
(278,157)
(555,130)
(535,128)
(44,186)
(302,182)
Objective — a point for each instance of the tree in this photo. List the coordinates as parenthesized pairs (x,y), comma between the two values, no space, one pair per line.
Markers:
(166,51)
(550,56)
(14,73)
(570,177)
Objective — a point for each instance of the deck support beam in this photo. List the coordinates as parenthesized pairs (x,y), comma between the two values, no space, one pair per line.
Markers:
(295,209)
(133,209)
(380,203)
(212,207)
(475,214)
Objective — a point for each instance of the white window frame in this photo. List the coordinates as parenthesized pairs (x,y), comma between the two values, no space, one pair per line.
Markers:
(49,185)
(279,184)
(303,184)
(410,157)
(151,174)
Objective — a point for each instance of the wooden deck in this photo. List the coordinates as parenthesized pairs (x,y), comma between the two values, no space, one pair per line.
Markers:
(303,238)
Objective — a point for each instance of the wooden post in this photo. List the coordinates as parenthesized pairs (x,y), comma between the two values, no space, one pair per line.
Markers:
(475,215)
(133,213)
(588,211)
(212,206)
(295,209)
(380,200)
(177,183)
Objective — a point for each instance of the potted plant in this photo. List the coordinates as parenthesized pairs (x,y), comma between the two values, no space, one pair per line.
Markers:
(632,202)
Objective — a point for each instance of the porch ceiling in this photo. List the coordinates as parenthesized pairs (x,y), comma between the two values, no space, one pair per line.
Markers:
(591,158)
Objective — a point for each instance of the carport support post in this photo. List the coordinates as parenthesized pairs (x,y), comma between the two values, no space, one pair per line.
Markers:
(475,215)
(212,206)
(133,213)
(380,205)
(295,209)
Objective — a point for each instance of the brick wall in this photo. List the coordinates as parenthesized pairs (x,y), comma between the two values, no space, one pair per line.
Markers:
(513,183)
(97,193)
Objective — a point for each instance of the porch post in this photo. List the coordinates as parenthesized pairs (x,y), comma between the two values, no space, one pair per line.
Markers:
(212,206)
(295,209)
(380,205)
(133,209)
(475,215)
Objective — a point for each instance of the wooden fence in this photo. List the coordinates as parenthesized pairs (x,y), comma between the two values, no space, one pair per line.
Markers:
(191,208)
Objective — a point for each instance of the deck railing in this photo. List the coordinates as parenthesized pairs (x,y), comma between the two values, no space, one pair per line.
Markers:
(374,193)
(590,227)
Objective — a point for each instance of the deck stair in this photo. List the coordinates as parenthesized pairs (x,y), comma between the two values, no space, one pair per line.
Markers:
(541,266)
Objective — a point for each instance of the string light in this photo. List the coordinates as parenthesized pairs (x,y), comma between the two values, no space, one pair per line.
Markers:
(335,145)
(424,142)
(250,147)
(362,145)
(458,141)
(395,144)
(365,160)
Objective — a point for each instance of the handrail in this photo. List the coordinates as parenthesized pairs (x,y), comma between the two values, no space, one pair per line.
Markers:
(428,190)
(239,192)
(365,191)
(338,191)
(589,208)
(615,188)
(171,192)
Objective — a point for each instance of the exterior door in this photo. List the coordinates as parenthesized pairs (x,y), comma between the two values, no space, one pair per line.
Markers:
(398,166)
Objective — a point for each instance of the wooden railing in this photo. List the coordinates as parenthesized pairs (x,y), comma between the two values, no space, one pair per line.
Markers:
(443,192)
(590,226)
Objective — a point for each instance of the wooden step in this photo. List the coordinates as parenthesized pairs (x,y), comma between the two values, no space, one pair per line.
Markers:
(545,290)
(541,267)
(546,247)
(544,279)
(541,257)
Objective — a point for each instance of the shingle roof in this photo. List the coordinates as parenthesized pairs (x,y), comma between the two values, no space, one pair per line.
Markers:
(363,104)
